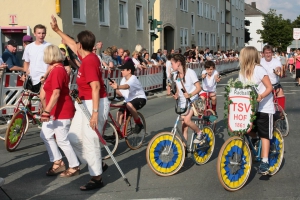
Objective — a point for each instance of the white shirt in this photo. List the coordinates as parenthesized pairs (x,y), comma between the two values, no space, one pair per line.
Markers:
(135,89)
(168,68)
(270,66)
(34,54)
(266,105)
(189,84)
(209,84)
(136,62)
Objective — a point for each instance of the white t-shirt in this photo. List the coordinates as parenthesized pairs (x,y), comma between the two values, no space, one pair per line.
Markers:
(34,54)
(270,66)
(168,68)
(209,84)
(135,89)
(189,84)
(136,62)
(266,105)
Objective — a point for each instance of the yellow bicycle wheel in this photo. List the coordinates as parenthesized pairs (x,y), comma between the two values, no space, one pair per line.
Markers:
(202,153)
(165,156)
(276,152)
(234,163)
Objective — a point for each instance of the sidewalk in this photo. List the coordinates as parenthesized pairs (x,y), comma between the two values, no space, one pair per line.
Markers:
(156,94)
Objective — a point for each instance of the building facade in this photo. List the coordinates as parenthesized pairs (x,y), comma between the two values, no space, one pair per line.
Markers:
(255,17)
(216,24)
(123,23)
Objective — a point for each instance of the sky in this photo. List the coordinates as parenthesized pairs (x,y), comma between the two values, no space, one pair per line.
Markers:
(288,8)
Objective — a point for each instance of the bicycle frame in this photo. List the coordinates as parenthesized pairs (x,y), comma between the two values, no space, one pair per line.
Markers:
(120,132)
(27,108)
(257,152)
(174,131)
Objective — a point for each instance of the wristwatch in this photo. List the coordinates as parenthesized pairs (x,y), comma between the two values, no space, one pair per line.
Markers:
(94,110)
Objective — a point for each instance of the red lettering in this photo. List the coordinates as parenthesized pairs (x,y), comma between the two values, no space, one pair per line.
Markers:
(234,106)
(247,108)
(240,109)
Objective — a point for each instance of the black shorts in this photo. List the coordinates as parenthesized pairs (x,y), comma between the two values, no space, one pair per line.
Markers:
(36,88)
(277,86)
(297,73)
(137,103)
(263,125)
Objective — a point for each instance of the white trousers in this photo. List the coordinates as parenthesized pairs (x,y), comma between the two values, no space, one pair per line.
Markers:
(60,128)
(84,139)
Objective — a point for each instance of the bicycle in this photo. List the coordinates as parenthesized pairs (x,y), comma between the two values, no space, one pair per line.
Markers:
(236,155)
(18,125)
(166,152)
(280,116)
(112,132)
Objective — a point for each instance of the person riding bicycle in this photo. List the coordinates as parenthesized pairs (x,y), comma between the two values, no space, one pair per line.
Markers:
(187,80)
(210,78)
(132,90)
(252,73)
(273,68)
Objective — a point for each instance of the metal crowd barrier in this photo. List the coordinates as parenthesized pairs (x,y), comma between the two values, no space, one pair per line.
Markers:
(151,79)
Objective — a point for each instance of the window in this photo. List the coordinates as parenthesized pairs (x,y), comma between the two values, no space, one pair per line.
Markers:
(232,42)
(218,6)
(184,36)
(206,10)
(200,38)
(207,39)
(184,5)
(237,4)
(223,40)
(213,12)
(193,24)
(200,8)
(222,17)
(79,11)
(237,23)
(233,21)
(242,24)
(232,2)
(139,17)
(104,12)
(213,39)
(123,14)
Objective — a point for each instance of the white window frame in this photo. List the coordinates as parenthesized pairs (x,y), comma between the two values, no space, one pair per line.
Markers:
(193,24)
(222,16)
(82,12)
(237,4)
(200,8)
(125,13)
(106,13)
(232,41)
(232,2)
(213,13)
(233,21)
(140,6)
(200,38)
(223,40)
(184,5)
(207,10)
(213,39)
(237,23)
(218,6)
(184,37)
(207,39)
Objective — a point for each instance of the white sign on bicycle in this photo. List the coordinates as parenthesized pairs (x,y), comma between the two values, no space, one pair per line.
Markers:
(239,110)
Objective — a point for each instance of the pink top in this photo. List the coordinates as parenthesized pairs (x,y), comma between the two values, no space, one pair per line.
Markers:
(298,62)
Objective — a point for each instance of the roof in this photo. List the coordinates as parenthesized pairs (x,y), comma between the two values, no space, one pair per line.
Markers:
(249,10)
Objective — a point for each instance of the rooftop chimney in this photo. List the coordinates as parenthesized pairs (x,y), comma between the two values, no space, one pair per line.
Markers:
(253,4)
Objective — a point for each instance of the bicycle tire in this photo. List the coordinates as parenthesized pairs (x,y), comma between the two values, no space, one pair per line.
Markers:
(212,125)
(276,152)
(202,154)
(133,140)
(110,135)
(234,174)
(16,130)
(282,124)
(165,165)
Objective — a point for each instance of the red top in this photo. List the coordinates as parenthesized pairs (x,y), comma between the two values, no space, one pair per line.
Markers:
(90,70)
(59,79)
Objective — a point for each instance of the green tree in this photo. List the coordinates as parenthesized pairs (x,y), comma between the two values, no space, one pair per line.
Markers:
(277,31)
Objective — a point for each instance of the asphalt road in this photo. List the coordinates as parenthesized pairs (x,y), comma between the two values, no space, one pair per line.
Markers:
(24,169)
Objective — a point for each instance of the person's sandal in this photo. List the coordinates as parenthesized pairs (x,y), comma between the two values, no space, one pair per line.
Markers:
(68,173)
(92,184)
(104,167)
(54,171)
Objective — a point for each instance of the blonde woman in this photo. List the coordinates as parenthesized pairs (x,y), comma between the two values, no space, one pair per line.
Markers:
(57,104)
(253,73)
(137,62)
